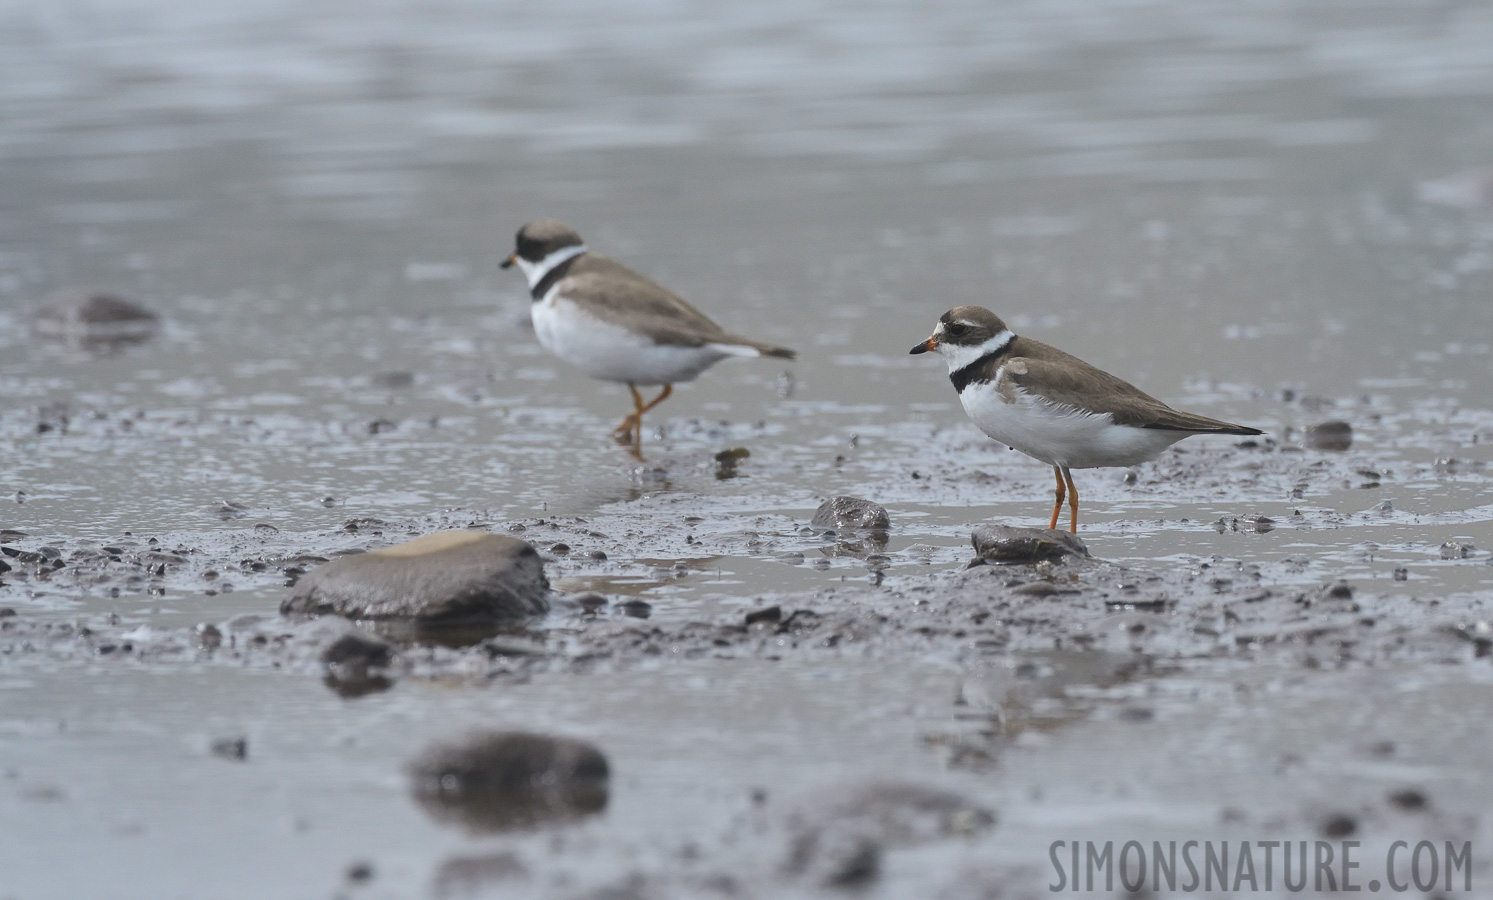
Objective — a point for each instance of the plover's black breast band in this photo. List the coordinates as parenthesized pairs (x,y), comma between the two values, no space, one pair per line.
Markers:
(552,276)
(981,370)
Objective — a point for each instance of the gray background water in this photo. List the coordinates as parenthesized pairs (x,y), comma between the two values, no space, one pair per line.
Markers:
(1218,201)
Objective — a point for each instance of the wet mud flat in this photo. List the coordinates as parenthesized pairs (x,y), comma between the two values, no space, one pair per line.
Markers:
(921,719)
(1272,215)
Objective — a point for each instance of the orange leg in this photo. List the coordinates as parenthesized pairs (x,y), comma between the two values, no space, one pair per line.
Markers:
(631,429)
(1057,507)
(623,432)
(1072,500)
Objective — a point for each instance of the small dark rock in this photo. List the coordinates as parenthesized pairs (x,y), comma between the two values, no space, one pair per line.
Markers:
(1339,825)
(448,578)
(1331,435)
(770,614)
(590,602)
(1003,544)
(851,514)
(6,612)
(360,872)
(1410,800)
(638,609)
(498,781)
(235,748)
(1257,524)
(1457,550)
(395,379)
(726,461)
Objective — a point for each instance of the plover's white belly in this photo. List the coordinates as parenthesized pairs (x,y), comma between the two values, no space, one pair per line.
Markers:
(611,352)
(1061,436)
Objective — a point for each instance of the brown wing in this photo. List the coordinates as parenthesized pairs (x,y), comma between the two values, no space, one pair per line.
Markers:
(614,293)
(1069,381)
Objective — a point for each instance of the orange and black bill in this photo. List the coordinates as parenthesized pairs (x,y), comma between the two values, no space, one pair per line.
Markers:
(925,346)
(512,258)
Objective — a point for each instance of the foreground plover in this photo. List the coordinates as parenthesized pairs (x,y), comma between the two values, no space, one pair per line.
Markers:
(1053,406)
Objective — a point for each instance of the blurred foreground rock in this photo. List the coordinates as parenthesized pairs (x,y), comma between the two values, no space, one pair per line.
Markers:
(504,780)
(1330,435)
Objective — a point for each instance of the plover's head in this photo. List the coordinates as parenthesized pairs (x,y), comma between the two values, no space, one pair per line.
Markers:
(540,246)
(964,334)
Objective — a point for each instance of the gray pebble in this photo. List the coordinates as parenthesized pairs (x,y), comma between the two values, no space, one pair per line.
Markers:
(1004,544)
(851,514)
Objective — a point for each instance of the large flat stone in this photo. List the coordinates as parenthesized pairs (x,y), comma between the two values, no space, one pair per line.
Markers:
(447,578)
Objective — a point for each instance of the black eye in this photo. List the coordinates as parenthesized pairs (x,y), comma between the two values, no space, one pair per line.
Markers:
(957,329)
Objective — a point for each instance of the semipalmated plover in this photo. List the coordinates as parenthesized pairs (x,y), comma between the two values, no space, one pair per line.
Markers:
(616,325)
(1053,406)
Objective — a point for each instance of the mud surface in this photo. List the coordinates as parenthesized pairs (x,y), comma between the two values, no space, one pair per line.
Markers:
(1272,215)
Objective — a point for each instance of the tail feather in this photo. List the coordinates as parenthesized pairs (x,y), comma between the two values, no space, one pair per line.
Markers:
(1196,424)
(750,348)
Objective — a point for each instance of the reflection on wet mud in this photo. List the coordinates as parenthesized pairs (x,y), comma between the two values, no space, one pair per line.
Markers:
(93,321)
(997,703)
(454,635)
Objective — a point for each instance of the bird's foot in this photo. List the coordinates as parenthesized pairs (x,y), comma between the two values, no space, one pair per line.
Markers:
(624,433)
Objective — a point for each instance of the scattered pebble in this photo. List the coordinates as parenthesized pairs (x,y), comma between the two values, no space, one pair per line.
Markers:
(851,514)
(1007,545)
(590,602)
(637,609)
(1339,825)
(771,614)
(235,748)
(1455,549)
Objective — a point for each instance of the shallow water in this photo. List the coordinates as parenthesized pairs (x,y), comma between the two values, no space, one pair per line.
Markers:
(1269,213)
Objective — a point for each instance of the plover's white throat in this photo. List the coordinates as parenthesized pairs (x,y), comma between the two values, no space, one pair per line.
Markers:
(1055,407)
(616,325)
